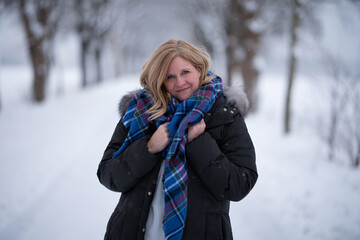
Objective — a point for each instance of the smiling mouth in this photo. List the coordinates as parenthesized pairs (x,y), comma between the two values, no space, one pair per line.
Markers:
(183,90)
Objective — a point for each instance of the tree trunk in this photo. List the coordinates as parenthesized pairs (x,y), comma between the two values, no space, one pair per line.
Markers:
(229,65)
(357,158)
(244,42)
(0,86)
(98,54)
(39,61)
(0,103)
(332,133)
(117,56)
(40,70)
(83,62)
(288,93)
(250,77)
(293,62)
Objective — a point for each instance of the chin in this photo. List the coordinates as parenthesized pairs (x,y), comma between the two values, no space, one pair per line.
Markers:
(183,98)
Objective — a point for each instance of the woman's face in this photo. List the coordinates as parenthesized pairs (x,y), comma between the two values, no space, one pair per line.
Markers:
(182,79)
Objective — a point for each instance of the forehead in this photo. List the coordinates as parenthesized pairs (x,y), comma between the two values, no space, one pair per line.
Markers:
(179,63)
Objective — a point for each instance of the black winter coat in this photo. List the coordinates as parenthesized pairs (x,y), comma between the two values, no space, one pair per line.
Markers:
(221,168)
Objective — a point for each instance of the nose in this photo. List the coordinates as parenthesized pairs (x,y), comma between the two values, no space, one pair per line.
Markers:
(180,81)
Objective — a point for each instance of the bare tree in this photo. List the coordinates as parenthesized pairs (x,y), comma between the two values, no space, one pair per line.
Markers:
(94,19)
(294,29)
(106,12)
(356,4)
(4,5)
(201,37)
(350,137)
(347,137)
(337,95)
(127,40)
(302,16)
(0,86)
(40,21)
(242,26)
(352,144)
(85,28)
(244,31)
(207,22)
(340,91)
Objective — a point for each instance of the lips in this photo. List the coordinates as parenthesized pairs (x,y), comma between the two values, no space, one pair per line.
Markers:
(182,90)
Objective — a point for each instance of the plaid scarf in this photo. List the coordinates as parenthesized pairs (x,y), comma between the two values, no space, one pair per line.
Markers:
(181,115)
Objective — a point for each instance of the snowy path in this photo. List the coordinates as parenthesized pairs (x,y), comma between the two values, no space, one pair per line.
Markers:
(49,190)
(52,189)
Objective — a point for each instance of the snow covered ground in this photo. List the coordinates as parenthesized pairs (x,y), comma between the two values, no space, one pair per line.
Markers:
(49,155)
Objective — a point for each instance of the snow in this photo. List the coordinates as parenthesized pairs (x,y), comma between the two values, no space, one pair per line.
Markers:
(49,155)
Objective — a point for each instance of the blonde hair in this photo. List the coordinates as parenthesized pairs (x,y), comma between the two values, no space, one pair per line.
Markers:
(155,69)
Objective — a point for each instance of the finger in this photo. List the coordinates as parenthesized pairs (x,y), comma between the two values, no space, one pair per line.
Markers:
(167,130)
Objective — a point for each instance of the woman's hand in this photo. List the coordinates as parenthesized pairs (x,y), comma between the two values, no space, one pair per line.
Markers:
(195,130)
(159,140)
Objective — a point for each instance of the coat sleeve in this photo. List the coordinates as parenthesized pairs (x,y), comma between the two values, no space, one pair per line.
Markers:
(123,172)
(227,168)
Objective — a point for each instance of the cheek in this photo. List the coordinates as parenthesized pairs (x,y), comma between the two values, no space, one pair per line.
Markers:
(196,82)
(195,85)
(167,86)
(198,78)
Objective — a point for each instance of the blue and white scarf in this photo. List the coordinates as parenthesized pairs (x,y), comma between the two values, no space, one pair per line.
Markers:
(181,115)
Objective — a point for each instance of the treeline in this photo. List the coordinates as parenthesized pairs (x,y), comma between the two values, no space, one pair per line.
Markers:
(233,28)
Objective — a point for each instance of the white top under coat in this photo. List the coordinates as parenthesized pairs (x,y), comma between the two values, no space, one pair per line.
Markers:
(154,223)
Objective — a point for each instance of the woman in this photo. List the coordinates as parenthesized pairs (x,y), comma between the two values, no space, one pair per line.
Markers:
(180,153)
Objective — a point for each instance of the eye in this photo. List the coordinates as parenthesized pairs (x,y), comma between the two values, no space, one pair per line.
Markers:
(169,77)
(185,72)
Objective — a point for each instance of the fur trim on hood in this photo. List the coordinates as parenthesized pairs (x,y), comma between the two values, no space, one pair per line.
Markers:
(234,95)
(237,97)
(125,100)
